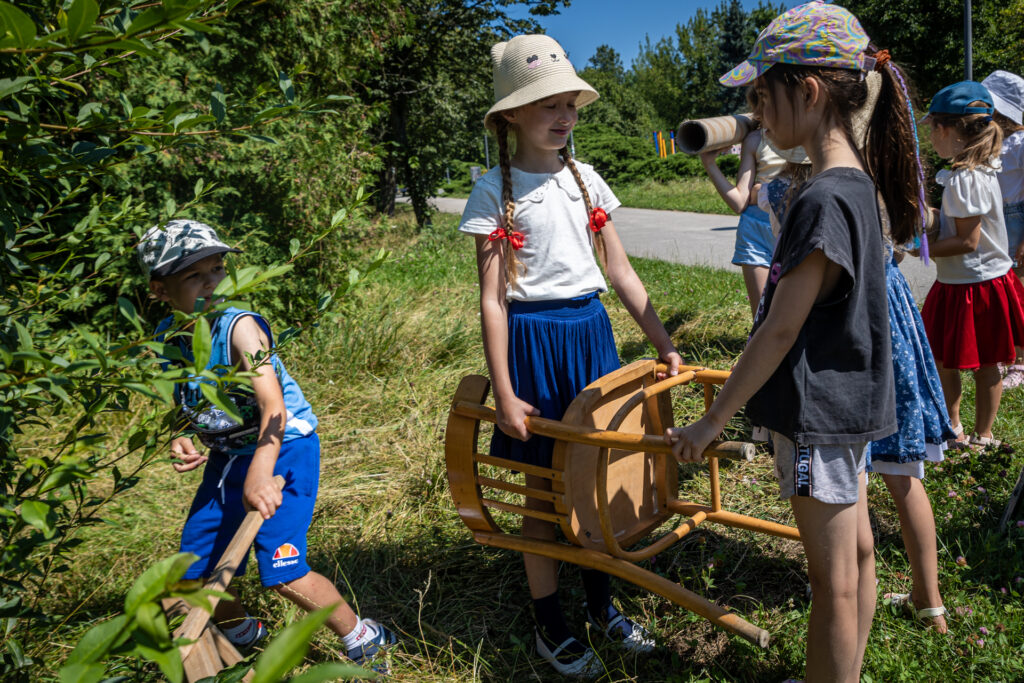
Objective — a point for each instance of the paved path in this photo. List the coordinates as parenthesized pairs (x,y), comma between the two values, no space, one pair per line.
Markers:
(696,239)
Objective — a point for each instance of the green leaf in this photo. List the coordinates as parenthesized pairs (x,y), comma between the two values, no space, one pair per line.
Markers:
(81,16)
(168,660)
(82,673)
(154,581)
(293,246)
(332,671)
(201,343)
(38,514)
(98,641)
(219,398)
(289,647)
(198,191)
(284,82)
(9,86)
(18,26)
(150,618)
(218,103)
(128,311)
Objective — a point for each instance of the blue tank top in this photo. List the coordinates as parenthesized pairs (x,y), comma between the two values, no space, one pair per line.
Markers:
(217,430)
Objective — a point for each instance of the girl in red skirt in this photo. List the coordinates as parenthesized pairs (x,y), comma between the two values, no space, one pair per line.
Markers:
(973,314)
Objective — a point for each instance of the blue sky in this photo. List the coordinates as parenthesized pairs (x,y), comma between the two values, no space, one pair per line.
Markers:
(585,24)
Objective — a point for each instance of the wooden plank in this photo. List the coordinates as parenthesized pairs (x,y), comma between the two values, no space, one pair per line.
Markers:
(236,551)
(603,438)
(535,470)
(525,512)
(539,494)
(202,660)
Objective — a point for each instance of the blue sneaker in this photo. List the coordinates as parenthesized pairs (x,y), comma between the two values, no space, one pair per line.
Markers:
(365,654)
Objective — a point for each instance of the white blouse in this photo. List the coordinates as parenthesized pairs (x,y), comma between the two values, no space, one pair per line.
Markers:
(967,193)
(558,254)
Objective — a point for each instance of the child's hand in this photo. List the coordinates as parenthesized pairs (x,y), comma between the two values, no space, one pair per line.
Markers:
(689,443)
(261,493)
(673,360)
(184,450)
(512,417)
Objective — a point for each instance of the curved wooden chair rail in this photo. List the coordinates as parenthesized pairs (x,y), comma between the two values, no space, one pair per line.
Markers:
(612,480)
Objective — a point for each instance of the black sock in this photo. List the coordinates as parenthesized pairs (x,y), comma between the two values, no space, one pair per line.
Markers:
(547,612)
(599,593)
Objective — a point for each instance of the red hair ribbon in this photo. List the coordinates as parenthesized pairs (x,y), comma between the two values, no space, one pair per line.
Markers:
(882,58)
(598,217)
(516,238)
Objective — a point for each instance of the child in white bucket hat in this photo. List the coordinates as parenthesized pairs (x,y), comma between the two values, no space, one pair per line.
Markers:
(538,218)
(1007,91)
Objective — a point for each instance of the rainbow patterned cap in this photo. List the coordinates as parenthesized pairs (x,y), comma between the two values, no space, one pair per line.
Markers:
(814,34)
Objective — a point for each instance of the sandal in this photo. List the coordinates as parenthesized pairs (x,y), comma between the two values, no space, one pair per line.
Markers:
(983,442)
(903,601)
(959,442)
(567,658)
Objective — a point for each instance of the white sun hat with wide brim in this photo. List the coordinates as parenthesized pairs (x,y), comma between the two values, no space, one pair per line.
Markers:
(528,68)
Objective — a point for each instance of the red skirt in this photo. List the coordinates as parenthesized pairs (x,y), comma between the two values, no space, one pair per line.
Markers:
(975,324)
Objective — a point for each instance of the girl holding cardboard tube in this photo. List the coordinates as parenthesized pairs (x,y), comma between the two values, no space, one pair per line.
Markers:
(755,242)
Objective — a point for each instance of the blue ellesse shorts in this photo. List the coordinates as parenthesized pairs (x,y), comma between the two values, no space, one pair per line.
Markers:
(755,242)
(217,511)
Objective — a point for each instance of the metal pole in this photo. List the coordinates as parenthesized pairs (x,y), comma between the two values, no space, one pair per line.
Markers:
(968,50)
(487,151)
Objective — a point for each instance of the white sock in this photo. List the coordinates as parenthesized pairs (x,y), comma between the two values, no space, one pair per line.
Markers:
(363,632)
(243,632)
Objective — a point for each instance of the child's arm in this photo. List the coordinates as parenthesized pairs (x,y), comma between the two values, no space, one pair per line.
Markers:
(634,297)
(511,411)
(968,233)
(183,449)
(736,196)
(259,490)
(797,292)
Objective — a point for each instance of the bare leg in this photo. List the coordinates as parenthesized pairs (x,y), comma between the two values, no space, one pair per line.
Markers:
(837,630)
(541,572)
(313,591)
(917,524)
(988,386)
(952,390)
(867,592)
(754,277)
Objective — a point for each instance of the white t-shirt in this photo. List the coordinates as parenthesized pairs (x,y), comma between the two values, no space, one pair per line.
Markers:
(967,193)
(1011,178)
(558,254)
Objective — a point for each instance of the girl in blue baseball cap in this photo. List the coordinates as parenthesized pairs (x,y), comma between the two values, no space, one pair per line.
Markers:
(974,313)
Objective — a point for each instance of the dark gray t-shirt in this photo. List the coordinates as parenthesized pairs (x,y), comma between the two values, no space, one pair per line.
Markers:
(835,385)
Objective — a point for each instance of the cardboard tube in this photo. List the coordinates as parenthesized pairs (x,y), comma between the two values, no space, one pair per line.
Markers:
(697,135)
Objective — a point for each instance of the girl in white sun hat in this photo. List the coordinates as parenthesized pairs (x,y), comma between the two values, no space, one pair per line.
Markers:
(1007,90)
(538,219)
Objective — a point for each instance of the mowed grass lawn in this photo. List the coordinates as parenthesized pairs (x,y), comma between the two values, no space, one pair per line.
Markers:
(381,377)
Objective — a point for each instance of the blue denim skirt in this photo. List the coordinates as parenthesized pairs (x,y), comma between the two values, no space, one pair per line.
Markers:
(555,349)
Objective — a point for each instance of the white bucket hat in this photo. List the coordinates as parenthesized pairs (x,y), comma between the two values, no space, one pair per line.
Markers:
(528,68)
(1007,90)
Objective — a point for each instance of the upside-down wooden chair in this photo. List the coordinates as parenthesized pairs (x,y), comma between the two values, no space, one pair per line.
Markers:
(210,651)
(613,481)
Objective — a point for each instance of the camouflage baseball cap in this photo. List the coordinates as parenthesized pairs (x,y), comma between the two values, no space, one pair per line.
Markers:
(813,34)
(177,245)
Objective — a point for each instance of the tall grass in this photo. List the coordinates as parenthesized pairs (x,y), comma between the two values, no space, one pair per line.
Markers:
(381,377)
(697,195)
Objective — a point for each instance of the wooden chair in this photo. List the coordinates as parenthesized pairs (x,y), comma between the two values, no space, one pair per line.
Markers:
(209,651)
(613,481)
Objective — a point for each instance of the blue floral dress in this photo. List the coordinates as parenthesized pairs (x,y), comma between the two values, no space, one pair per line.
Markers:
(921,414)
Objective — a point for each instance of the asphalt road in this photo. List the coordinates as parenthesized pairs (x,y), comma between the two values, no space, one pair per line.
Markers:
(697,239)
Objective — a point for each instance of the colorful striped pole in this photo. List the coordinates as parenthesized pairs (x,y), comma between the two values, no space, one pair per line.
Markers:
(672,139)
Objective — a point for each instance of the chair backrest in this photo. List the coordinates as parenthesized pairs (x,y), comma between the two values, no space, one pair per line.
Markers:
(638,484)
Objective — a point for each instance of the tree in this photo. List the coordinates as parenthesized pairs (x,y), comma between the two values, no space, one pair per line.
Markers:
(435,83)
(85,407)
(607,61)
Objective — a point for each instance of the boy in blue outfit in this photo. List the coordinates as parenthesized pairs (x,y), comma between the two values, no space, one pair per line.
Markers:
(185,262)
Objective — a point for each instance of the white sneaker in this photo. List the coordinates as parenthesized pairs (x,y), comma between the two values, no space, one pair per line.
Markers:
(586,665)
(624,631)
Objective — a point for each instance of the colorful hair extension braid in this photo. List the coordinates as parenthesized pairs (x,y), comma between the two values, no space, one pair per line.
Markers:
(922,207)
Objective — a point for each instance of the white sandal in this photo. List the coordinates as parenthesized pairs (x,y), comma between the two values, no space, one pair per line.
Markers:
(587,665)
